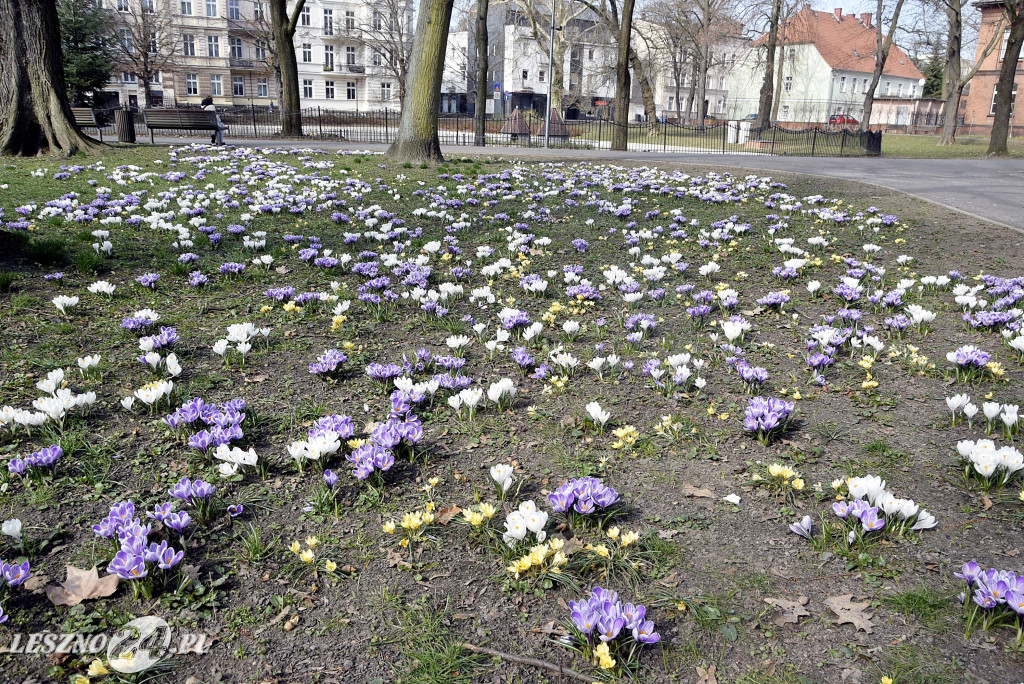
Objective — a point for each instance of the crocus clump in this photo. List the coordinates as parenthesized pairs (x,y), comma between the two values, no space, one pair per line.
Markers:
(768,417)
(608,632)
(993,598)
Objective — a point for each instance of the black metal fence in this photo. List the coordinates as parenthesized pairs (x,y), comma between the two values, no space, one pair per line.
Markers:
(262,123)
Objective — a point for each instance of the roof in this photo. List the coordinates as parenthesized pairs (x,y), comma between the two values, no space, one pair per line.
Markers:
(845,42)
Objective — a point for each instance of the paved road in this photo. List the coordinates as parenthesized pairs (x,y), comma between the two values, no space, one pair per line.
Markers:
(991,189)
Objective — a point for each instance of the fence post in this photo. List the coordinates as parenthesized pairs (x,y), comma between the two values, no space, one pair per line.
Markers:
(664,137)
(600,131)
(725,134)
(252,110)
(842,144)
(814,140)
(387,129)
(775,130)
(320,122)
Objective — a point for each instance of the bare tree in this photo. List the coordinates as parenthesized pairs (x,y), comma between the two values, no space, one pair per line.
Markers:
(417,139)
(258,29)
(1013,12)
(767,94)
(283,25)
(482,66)
(541,15)
(669,41)
(883,44)
(955,77)
(387,34)
(620,136)
(34,113)
(145,41)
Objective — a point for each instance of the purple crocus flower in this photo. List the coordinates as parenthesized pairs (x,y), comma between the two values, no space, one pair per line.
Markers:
(128,566)
(644,633)
(804,527)
(870,521)
(330,478)
(178,521)
(15,573)
(235,510)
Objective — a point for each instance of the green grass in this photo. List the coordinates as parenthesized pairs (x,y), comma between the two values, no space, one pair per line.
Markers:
(927,147)
(929,606)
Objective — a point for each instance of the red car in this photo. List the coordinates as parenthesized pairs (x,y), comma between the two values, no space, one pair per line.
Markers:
(841,120)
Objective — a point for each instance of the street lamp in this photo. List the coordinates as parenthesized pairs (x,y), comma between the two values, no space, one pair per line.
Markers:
(551,74)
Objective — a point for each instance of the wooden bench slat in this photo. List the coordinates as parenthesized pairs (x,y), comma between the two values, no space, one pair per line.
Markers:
(181,119)
(85,117)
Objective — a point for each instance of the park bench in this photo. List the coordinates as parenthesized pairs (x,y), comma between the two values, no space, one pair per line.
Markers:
(180,119)
(85,117)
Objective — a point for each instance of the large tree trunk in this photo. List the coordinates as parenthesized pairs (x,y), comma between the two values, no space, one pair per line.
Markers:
(691,93)
(952,85)
(950,112)
(764,103)
(417,139)
(882,47)
(702,86)
(282,27)
(620,136)
(34,113)
(1004,86)
(646,91)
(480,112)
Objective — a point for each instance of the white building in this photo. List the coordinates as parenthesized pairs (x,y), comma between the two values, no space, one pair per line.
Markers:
(825,64)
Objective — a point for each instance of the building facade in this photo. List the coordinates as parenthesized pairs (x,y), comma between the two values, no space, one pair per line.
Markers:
(981,100)
(825,63)
(351,54)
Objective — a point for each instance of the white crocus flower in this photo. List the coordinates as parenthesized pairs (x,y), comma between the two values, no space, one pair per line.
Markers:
(12,529)
(598,414)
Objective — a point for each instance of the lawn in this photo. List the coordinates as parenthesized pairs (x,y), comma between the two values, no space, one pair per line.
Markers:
(927,147)
(334,419)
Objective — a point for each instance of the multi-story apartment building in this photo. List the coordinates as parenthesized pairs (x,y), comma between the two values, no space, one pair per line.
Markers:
(351,54)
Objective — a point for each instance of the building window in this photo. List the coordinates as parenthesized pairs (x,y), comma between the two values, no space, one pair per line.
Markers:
(590,54)
(378,21)
(127,41)
(526,75)
(233,11)
(329,90)
(238,86)
(787,84)
(899,90)
(261,50)
(262,87)
(127,78)
(307,53)
(236,47)
(375,58)
(888,88)
(721,82)
(186,7)
(191,84)
(784,112)
(350,55)
(1013,99)
(864,85)
(307,88)
(540,75)
(328,58)
(122,6)
(385,92)
(328,22)
(350,90)
(152,43)
(216,85)
(913,90)
(257,11)
(188,45)
(149,6)
(350,20)
(304,16)
(842,84)
(1002,48)
(213,46)
(211,8)
(791,54)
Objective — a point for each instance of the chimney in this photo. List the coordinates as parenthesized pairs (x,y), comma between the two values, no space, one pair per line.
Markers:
(839,13)
(865,18)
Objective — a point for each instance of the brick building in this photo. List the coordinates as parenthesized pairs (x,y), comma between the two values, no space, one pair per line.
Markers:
(980,109)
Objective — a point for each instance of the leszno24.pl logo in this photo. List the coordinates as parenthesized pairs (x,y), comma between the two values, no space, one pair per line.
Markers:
(138,646)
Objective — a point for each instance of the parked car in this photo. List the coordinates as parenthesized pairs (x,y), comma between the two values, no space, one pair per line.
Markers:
(842,120)
(751,117)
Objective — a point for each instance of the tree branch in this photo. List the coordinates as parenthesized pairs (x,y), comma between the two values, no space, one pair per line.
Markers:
(534,662)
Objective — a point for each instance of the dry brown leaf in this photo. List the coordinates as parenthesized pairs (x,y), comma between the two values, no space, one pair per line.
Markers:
(36,583)
(986,502)
(850,611)
(792,611)
(395,560)
(707,676)
(259,377)
(445,515)
(689,490)
(81,585)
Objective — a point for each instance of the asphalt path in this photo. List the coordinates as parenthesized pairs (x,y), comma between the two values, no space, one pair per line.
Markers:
(988,189)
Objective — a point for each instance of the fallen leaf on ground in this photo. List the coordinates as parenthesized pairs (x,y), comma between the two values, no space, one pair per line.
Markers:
(850,611)
(395,560)
(986,502)
(707,676)
(81,585)
(689,490)
(792,611)
(445,515)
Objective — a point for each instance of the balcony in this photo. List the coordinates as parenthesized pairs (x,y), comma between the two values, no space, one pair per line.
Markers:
(355,68)
(236,63)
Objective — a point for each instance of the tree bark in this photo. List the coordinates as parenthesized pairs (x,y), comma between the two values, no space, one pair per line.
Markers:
(34,114)
(882,47)
(282,27)
(417,139)
(646,91)
(952,86)
(1004,86)
(482,64)
(764,103)
(620,136)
